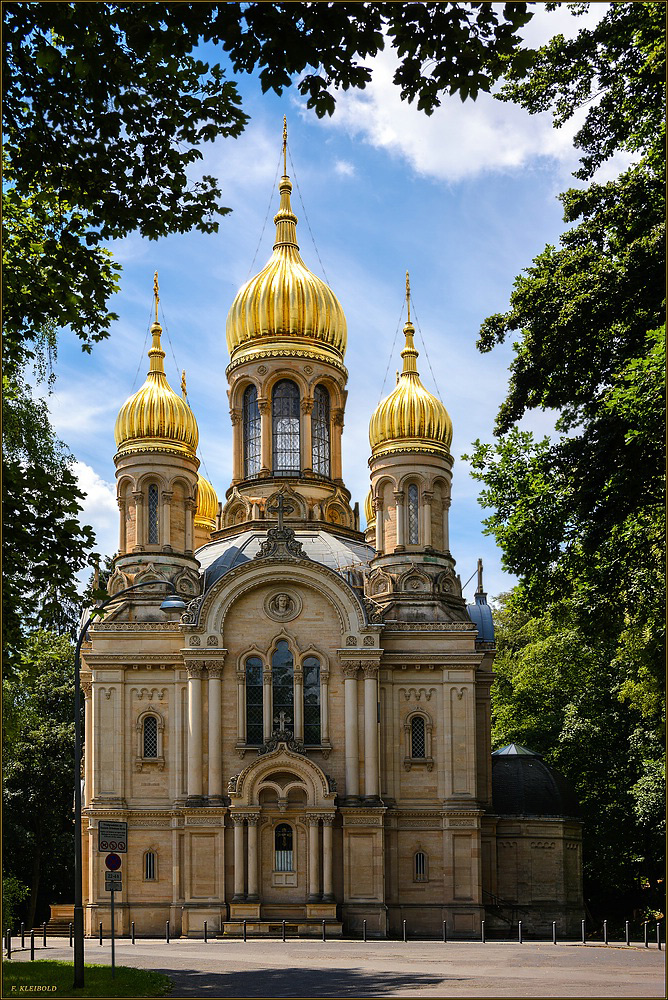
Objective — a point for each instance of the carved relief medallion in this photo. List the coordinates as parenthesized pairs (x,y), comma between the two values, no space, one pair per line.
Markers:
(282,607)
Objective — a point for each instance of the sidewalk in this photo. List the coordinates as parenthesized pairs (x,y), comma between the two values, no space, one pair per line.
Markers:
(300,968)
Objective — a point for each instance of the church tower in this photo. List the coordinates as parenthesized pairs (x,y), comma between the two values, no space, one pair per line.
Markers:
(286,334)
(157,483)
(412,575)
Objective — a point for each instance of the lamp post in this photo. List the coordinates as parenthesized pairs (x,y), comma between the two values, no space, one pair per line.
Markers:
(171,603)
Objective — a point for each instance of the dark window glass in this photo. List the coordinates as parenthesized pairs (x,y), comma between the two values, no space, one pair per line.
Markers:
(285,429)
(150,736)
(283,848)
(413,515)
(417,737)
(153,514)
(320,431)
(252,433)
(311,700)
(420,867)
(282,685)
(149,866)
(254,730)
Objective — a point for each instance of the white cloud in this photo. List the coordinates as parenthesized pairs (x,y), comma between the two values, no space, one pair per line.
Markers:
(100,509)
(344,168)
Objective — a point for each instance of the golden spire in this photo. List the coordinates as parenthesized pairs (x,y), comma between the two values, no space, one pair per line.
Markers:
(156,289)
(409,354)
(156,353)
(408,295)
(285,145)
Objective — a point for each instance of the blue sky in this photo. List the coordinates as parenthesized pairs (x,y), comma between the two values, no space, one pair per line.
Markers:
(463,200)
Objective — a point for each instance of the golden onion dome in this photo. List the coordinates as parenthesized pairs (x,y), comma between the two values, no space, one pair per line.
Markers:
(369,512)
(286,310)
(411,418)
(207,505)
(155,418)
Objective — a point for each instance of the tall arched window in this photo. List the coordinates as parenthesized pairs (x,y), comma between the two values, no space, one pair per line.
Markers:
(150,866)
(254,733)
(413,515)
(285,428)
(283,848)
(252,433)
(153,514)
(311,700)
(150,737)
(420,872)
(282,686)
(320,431)
(418,742)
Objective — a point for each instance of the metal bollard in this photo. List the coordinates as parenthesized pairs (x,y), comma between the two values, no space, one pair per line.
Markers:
(519,931)
(605,932)
(32,946)
(364,931)
(167,932)
(44,934)
(244,930)
(645,928)
(627,933)
(324,932)
(132,931)
(482,931)
(584,933)
(284,930)
(404,923)
(658,935)
(9,942)
(445,932)
(554,932)
(206,940)
(23,935)
(100,932)
(71,928)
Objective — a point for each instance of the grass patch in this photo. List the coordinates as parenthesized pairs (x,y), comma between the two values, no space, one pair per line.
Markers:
(27,977)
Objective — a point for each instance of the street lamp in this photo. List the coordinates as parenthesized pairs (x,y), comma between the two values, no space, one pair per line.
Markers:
(171,603)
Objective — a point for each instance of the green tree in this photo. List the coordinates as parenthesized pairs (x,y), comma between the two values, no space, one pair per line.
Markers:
(580,516)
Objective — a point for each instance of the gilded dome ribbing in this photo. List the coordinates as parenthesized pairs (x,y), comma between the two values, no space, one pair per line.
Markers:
(155,418)
(207,505)
(286,309)
(369,512)
(411,418)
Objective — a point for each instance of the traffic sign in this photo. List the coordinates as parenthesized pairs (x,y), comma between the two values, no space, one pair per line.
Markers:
(113,876)
(113,862)
(112,836)
(113,886)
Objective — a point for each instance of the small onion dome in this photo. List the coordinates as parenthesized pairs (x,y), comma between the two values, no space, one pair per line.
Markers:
(480,612)
(286,309)
(411,418)
(369,512)
(207,505)
(155,418)
(524,785)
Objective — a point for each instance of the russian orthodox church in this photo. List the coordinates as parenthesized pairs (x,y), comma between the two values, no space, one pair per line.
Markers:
(310,740)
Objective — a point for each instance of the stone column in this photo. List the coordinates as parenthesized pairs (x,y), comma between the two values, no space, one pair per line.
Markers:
(427,498)
(371,778)
(446,528)
(335,443)
(307,434)
(190,509)
(194,730)
(239,865)
(380,525)
(253,880)
(313,859)
(165,536)
(324,704)
(327,860)
(241,705)
(266,703)
(237,446)
(399,514)
(215,729)
(266,463)
(122,535)
(140,532)
(299,702)
(351,730)
(87,689)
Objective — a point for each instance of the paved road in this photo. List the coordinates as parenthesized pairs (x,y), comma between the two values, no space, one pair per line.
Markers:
(303,969)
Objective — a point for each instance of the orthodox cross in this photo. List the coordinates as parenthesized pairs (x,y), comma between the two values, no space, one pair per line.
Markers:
(408,295)
(285,144)
(155,293)
(280,508)
(183,383)
(281,719)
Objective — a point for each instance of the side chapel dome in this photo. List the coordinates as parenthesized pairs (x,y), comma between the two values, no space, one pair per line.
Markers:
(411,418)
(286,309)
(155,418)
(207,505)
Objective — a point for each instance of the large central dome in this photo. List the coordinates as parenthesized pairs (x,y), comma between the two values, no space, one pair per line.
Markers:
(286,310)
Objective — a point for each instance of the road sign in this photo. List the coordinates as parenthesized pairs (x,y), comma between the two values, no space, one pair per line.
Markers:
(112,836)
(113,886)
(113,862)
(113,876)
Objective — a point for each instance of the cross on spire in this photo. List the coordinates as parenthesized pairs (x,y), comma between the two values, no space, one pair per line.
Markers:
(285,144)
(280,508)
(408,295)
(156,289)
